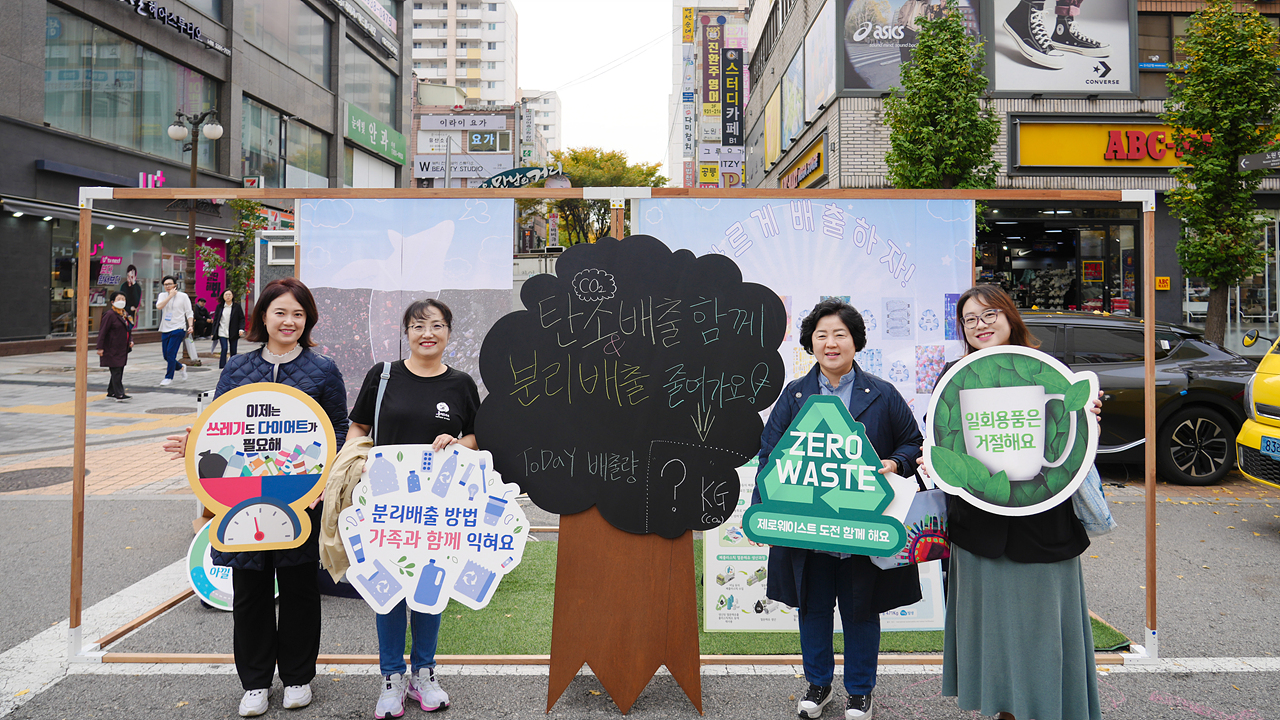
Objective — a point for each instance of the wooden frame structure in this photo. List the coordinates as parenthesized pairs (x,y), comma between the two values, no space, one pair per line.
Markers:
(78,652)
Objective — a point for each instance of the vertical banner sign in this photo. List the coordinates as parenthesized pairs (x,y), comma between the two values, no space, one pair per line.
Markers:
(553,230)
(689,77)
(731,111)
(690,175)
(688,24)
(689,123)
(711,89)
(731,161)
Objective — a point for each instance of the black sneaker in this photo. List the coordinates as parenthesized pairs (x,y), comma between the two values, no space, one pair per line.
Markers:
(1026,26)
(1067,37)
(814,701)
(859,707)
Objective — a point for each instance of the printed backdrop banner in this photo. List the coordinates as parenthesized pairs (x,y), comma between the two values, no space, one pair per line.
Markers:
(900,262)
(366,260)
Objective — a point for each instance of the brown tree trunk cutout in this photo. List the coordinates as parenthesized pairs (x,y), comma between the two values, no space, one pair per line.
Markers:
(625,604)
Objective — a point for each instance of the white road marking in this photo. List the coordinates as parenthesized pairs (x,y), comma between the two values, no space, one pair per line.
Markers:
(30,668)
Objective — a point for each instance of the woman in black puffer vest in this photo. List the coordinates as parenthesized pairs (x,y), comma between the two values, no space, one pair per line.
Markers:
(283,318)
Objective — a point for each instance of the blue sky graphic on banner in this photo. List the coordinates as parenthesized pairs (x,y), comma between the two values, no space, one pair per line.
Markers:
(894,260)
(366,260)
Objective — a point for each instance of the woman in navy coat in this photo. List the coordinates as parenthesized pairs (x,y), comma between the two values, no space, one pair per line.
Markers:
(811,580)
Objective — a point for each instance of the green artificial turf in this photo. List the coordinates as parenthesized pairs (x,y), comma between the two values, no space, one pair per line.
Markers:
(517,621)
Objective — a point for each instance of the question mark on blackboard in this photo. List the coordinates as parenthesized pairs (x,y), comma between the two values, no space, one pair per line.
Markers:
(683,473)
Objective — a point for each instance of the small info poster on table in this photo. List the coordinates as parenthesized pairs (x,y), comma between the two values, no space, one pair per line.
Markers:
(736,577)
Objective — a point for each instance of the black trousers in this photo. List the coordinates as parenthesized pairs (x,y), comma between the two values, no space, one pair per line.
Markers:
(115,387)
(261,644)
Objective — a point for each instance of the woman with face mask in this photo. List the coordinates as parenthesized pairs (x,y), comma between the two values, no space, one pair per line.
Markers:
(115,340)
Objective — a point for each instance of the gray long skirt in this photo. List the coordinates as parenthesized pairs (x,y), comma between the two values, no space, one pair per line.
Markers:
(1018,639)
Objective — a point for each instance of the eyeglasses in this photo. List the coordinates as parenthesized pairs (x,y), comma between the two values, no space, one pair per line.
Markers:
(987,317)
(419,328)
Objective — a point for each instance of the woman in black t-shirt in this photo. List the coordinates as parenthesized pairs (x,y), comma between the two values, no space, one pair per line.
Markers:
(425,402)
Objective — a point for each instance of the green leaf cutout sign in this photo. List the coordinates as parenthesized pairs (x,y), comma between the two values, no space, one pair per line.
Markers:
(1009,430)
(822,489)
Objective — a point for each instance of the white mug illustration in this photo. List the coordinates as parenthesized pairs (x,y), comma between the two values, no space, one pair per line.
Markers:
(1007,430)
(1004,429)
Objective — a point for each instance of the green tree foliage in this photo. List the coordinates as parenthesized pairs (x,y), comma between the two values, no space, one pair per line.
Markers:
(238,264)
(1224,102)
(586,220)
(942,135)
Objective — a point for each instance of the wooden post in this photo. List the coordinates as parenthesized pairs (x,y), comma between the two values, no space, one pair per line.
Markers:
(1149,411)
(625,604)
(81,422)
(617,211)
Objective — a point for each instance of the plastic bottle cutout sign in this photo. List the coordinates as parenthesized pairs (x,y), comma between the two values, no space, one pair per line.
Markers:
(474,581)
(357,547)
(382,476)
(430,584)
(414,484)
(381,584)
(441,485)
(463,482)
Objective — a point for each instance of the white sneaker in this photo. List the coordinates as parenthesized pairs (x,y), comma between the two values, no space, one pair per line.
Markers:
(166,381)
(391,701)
(297,696)
(254,702)
(424,688)
(182,374)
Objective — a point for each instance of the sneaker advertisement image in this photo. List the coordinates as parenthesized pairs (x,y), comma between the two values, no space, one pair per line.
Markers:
(878,35)
(1062,46)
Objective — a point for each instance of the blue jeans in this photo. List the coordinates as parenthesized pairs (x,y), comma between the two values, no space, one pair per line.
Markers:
(391,627)
(222,361)
(171,345)
(827,578)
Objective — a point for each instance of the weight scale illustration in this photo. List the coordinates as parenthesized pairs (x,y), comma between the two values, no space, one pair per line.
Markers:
(258,456)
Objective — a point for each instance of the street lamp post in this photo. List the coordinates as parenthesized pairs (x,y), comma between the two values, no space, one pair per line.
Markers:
(178,131)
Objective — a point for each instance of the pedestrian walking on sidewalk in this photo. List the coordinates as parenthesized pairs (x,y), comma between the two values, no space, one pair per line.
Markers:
(175,323)
(228,325)
(115,340)
(421,401)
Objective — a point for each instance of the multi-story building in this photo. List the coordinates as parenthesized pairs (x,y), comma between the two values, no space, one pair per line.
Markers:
(1078,114)
(468,44)
(704,120)
(309,93)
(544,108)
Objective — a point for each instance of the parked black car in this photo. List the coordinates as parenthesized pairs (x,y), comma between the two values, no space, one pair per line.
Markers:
(1199,390)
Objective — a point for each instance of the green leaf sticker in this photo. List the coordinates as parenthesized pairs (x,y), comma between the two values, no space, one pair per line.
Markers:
(998,488)
(1077,396)
(1053,382)
(400,457)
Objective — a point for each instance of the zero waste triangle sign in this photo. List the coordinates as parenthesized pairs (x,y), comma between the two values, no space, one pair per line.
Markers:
(822,489)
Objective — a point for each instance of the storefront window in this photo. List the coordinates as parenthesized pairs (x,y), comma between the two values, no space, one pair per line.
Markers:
(100,85)
(291,32)
(306,156)
(369,86)
(1062,258)
(153,254)
(305,162)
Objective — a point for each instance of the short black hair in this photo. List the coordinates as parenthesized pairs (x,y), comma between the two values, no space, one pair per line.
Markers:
(111,296)
(417,310)
(849,315)
(169,277)
(130,269)
(199,300)
(274,289)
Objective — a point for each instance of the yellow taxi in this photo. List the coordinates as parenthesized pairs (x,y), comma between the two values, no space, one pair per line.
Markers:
(1258,443)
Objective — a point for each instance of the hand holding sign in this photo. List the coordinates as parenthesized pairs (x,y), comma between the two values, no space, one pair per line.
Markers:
(823,489)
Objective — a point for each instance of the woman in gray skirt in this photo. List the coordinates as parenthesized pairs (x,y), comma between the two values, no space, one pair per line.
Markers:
(1018,642)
